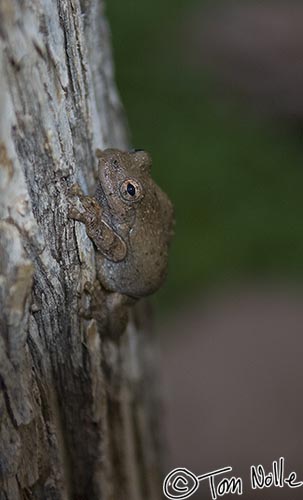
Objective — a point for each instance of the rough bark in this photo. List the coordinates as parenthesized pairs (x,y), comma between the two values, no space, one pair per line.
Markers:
(76,415)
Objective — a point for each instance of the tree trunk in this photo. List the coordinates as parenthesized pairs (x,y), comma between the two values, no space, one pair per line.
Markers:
(77,418)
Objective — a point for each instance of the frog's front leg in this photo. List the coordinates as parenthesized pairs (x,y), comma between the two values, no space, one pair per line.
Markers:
(92,212)
(107,241)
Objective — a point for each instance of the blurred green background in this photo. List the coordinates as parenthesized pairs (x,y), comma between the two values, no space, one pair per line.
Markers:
(235,179)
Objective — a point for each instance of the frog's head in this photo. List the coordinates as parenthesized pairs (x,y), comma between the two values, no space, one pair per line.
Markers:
(121,175)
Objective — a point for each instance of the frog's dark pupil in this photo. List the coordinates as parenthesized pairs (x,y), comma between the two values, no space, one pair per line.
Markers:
(131,189)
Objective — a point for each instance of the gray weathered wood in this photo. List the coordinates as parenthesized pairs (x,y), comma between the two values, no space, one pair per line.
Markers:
(77,418)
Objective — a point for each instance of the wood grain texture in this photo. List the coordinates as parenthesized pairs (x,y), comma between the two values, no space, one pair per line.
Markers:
(77,414)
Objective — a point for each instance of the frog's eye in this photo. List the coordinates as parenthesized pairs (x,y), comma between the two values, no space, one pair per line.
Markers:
(131,190)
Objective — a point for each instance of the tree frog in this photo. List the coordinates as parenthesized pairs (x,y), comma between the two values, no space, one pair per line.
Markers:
(130,221)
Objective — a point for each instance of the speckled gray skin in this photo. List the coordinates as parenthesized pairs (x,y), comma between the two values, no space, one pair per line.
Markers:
(130,220)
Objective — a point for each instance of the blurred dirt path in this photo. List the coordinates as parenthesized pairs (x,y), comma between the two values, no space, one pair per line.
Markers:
(233,376)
